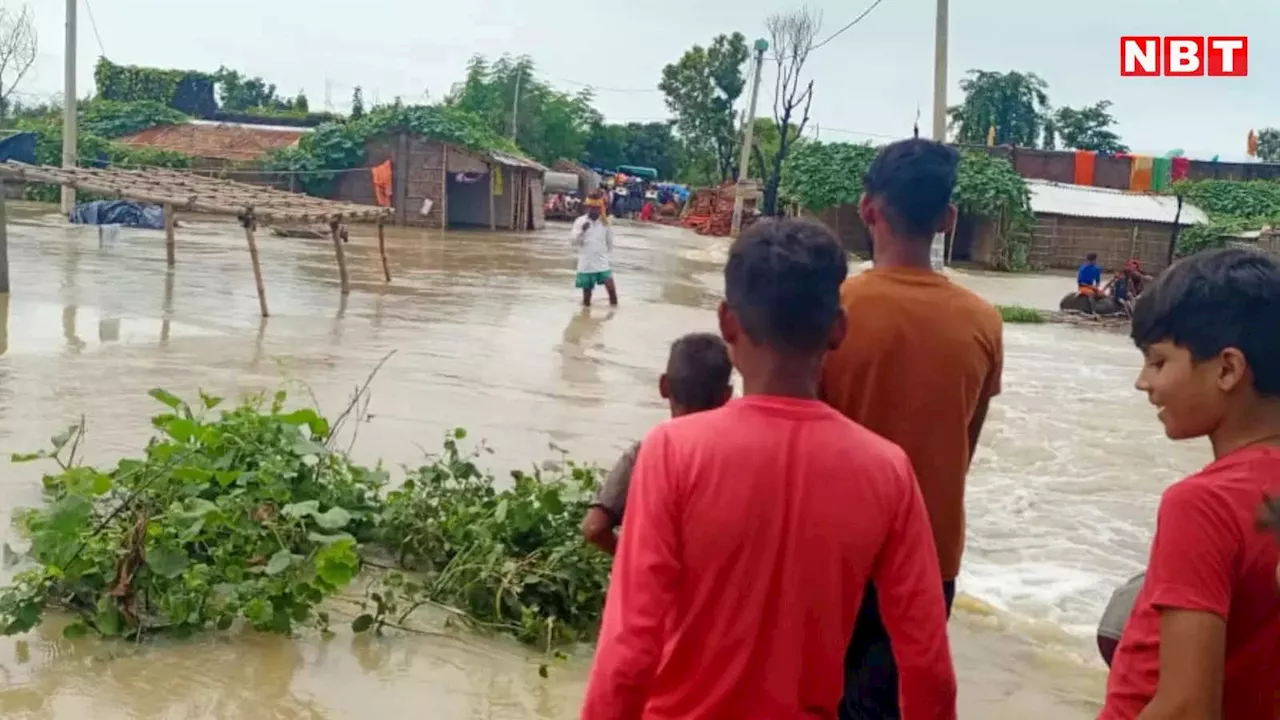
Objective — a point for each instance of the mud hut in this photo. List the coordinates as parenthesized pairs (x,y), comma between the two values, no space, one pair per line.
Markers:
(218,144)
(435,184)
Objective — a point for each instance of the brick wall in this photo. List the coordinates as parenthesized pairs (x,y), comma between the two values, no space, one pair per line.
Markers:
(1062,242)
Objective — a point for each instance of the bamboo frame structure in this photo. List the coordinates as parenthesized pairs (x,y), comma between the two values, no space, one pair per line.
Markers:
(251,204)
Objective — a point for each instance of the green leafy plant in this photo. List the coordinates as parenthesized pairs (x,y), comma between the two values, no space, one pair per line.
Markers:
(1020,314)
(112,119)
(511,559)
(243,515)
(1232,206)
(341,145)
(187,91)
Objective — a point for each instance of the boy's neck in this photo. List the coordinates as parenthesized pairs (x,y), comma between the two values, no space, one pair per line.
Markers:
(785,376)
(1257,425)
(895,252)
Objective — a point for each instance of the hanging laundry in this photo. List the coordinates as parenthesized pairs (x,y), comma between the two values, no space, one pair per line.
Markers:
(381,175)
(1251,144)
(1140,173)
(1084,166)
(1181,168)
(991,136)
(497,179)
(1161,173)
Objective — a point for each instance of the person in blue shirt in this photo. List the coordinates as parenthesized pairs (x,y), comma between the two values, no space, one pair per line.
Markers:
(1090,276)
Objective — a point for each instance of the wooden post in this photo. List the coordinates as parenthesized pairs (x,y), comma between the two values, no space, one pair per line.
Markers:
(4,244)
(342,256)
(493,210)
(257,267)
(170,245)
(444,187)
(382,249)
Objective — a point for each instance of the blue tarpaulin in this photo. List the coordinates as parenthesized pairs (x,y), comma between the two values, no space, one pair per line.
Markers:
(119,212)
(20,147)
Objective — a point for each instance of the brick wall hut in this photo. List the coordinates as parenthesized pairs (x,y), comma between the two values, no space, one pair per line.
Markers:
(1073,220)
(467,188)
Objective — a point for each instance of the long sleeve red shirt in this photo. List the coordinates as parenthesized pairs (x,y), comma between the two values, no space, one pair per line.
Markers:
(751,534)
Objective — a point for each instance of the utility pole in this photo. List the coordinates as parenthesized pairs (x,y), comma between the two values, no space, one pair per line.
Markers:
(744,159)
(515,101)
(938,249)
(69,107)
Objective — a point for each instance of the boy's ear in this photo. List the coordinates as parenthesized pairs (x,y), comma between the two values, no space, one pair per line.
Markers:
(1234,369)
(664,387)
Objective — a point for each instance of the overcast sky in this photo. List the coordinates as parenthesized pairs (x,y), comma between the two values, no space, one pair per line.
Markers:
(868,82)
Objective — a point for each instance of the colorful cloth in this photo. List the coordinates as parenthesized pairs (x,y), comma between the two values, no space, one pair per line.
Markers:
(588,280)
(381,176)
(1084,166)
(1161,173)
(1140,173)
(1180,169)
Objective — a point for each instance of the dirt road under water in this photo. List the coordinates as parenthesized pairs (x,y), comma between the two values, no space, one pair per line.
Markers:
(488,335)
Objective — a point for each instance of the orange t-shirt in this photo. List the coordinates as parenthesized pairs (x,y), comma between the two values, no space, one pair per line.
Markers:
(921,353)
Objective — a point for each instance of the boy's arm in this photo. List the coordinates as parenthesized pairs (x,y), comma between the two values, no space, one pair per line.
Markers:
(641,590)
(1190,580)
(908,584)
(990,387)
(606,510)
(608,238)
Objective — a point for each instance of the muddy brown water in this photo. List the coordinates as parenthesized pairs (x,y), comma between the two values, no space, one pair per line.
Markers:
(488,335)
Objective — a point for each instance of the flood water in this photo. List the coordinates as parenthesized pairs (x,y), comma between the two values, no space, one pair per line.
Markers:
(488,334)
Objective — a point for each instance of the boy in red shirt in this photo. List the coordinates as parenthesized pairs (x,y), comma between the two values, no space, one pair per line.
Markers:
(752,530)
(1203,642)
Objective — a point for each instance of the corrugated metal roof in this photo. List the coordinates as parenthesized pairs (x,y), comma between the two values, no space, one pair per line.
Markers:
(1052,198)
(514,161)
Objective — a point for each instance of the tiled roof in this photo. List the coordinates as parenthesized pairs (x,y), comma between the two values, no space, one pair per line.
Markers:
(221,141)
(1052,198)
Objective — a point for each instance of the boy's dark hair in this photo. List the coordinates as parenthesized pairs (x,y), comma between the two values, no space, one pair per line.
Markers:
(1091,257)
(915,178)
(1215,300)
(783,281)
(698,370)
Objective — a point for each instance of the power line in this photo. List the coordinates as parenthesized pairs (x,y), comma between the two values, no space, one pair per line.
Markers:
(604,89)
(93,23)
(839,32)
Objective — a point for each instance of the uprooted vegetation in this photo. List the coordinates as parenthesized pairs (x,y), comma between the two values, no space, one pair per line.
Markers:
(251,516)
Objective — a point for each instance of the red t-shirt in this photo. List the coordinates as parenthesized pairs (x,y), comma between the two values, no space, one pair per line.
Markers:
(1208,555)
(751,533)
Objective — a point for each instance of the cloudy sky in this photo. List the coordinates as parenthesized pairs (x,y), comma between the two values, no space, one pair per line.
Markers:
(869,81)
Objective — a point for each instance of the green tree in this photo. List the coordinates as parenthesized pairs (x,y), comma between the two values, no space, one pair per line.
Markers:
(765,141)
(1269,145)
(1014,103)
(550,124)
(357,103)
(237,93)
(650,144)
(701,88)
(1088,128)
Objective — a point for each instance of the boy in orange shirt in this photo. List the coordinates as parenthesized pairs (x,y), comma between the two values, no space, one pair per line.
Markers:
(1204,637)
(919,365)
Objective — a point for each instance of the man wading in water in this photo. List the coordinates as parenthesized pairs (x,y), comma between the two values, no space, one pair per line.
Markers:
(593,238)
(920,363)
(740,568)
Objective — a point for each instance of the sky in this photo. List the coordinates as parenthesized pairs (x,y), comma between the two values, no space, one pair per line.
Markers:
(869,82)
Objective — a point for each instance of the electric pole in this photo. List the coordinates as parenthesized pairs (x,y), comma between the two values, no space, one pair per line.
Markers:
(744,159)
(69,107)
(515,101)
(938,249)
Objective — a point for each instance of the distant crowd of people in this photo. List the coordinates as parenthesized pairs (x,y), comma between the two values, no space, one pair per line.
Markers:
(792,553)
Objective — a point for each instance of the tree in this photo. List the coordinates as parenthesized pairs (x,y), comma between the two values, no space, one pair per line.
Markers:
(1088,128)
(550,124)
(18,45)
(793,35)
(765,140)
(701,88)
(644,144)
(357,103)
(1014,103)
(1269,145)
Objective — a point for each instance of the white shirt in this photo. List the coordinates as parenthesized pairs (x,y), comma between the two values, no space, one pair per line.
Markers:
(594,241)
